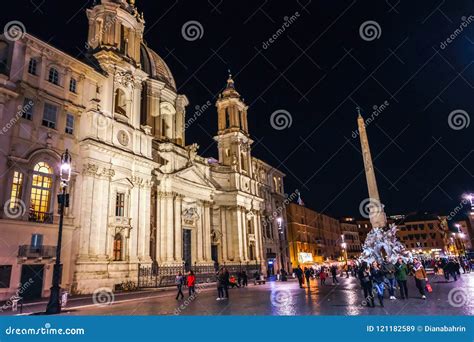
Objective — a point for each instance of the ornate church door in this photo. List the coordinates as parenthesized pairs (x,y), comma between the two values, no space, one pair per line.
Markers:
(187,249)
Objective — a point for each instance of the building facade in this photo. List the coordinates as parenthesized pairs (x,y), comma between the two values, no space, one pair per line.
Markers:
(312,237)
(139,195)
(424,234)
(350,231)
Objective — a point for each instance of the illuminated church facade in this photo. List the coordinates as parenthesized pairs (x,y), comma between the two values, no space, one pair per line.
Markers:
(139,195)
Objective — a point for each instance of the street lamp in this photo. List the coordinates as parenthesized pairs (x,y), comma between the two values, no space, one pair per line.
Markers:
(280,236)
(344,248)
(54,304)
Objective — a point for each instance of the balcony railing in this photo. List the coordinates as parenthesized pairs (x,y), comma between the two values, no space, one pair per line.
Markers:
(40,217)
(28,251)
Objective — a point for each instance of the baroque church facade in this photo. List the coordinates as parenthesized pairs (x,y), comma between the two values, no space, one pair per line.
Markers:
(139,195)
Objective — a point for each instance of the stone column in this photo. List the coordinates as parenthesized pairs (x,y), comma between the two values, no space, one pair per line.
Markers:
(162,226)
(245,242)
(178,229)
(134,215)
(224,237)
(239,242)
(207,231)
(144,223)
(95,238)
(88,173)
(258,237)
(158,235)
(106,176)
(169,227)
(199,234)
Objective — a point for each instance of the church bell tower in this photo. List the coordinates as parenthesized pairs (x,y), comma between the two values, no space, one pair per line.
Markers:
(232,136)
(116,26)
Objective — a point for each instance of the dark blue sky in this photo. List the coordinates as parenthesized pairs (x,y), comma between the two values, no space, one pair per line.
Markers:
(319,70)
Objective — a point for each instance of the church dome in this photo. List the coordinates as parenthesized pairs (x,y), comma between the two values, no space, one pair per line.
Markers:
(155,66)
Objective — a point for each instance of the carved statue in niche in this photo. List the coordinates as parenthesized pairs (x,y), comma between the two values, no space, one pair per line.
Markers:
(234,161)
(120,102)
(215,236)
(192,153)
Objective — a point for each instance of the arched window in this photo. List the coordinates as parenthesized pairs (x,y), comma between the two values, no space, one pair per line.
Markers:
(40,199)
(118,247)
(53,76)
(120,103)
(32,66)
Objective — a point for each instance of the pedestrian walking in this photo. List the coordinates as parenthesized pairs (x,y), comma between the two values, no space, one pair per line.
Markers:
(179,281)
(244,278)
(389,272)
(401,274)
(299,274)
(307,275)
(322,276)
(226,282)
(450,269)
(191,282)
(220,284)
(334,274)
(365,278)
(378,279)
(420,277)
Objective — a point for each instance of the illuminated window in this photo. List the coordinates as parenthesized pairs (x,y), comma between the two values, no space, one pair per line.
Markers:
(118,247)
(120,204)
(40,199)
(49,115)
(15,195)
(32,66)
(53,76)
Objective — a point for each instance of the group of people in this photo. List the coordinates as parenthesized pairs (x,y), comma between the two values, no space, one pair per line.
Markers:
(224,280)
(375,277)
(181,280)
(323,273)
(451,268)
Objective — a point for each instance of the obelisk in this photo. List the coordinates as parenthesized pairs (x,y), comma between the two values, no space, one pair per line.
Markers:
(376,213)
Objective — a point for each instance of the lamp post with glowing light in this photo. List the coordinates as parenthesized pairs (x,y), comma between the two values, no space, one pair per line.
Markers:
(344,248)
(280,236)
(54,304)
(461,237)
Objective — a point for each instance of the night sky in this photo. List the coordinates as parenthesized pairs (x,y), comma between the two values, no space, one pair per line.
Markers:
(318,70)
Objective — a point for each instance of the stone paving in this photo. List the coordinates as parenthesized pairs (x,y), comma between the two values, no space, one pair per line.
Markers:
(286,298)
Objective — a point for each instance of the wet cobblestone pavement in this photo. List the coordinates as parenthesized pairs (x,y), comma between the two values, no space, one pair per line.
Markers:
(286,298)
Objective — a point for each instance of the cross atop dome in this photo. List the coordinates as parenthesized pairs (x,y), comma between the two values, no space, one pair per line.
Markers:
(229,90)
